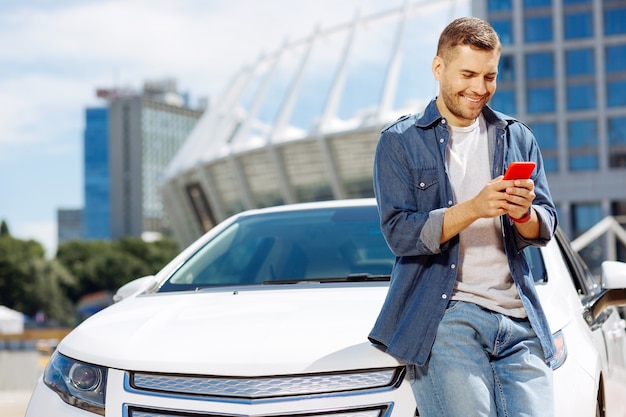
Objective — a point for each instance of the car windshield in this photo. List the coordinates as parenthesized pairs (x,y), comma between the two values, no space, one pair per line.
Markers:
(322,245)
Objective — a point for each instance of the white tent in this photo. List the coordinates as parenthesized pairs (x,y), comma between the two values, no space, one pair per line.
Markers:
(11,321)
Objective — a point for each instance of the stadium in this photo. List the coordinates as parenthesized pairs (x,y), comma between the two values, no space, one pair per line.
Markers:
(301,124)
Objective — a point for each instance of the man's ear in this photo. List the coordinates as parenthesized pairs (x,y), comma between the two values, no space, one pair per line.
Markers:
(437,67)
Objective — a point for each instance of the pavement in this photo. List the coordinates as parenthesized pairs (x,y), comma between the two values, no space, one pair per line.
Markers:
(19,372)
(14,403)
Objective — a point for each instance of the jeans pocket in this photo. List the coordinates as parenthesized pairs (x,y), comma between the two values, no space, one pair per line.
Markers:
(453,305)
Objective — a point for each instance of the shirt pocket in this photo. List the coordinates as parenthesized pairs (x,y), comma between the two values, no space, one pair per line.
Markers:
(426,186)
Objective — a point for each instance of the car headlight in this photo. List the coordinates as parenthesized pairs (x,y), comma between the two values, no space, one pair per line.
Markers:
(78,383)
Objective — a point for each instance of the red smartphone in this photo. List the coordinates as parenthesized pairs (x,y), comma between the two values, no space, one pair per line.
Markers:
(519,170)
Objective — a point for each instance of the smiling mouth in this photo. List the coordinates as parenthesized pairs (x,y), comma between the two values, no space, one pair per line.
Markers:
(473,100)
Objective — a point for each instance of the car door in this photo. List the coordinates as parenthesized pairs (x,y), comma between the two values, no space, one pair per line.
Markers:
(610,323)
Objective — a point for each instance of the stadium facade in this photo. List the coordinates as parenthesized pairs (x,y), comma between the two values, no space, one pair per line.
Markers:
(302,123)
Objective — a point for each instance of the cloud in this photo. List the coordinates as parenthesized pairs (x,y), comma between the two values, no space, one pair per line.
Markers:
(38,108)
(55,54)
(44,232)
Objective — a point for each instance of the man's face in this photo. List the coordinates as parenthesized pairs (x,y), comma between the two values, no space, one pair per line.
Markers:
(467,80)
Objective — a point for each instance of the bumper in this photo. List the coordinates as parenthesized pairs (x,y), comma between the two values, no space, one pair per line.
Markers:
(124,402)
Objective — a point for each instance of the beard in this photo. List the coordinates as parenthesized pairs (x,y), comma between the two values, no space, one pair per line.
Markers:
(461,108)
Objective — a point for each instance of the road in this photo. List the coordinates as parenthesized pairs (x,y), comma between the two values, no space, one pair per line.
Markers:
(14,403)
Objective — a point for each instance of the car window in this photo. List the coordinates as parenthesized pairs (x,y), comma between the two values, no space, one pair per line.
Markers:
(289,245)
(583,279)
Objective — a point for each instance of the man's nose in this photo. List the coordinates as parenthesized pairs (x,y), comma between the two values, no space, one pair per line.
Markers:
(479,86)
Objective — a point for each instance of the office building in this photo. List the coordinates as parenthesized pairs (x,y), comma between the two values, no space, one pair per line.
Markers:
(69,225)
(128,143)
(563,72)
(97,208)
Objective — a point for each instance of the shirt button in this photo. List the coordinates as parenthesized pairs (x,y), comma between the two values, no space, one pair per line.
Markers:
(443,121)
(449,202)
(444,296)
(453,266)
(422,185)
(441,140)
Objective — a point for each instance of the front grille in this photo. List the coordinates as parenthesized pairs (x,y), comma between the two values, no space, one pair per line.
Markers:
(374,411)
(256,388)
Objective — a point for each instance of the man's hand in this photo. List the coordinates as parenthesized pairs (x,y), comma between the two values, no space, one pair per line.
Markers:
(519,195)
(497,197)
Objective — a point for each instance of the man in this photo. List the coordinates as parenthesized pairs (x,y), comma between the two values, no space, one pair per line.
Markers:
(462,310)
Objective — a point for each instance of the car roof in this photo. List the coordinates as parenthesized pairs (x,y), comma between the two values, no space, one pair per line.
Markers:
(356,202)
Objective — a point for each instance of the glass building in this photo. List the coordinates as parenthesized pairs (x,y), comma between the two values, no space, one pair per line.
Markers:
(97,209)
(302,123)
(128,144)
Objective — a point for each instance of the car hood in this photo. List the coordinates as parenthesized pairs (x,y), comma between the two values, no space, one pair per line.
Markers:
(245,331)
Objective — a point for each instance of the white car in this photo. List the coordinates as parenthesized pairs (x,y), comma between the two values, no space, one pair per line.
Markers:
(268,315)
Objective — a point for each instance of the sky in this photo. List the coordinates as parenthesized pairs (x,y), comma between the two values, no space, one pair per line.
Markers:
(54,54)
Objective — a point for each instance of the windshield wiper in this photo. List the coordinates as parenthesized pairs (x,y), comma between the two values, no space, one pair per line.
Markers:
(349,278)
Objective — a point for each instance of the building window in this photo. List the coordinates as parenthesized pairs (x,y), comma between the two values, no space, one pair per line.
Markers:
(499,5)
(201,207)
(578,25)
(584,216)
(504,28)
(616,59)
(618,209)
(579,62)
(540,100)
(617,142)
(614,17)
(539,66)
(531,4)
(538,29)
(581,96)
(545,133)
(504,101)
(583,145)
(616,93)
(540,75)
(506,70)
(616,75)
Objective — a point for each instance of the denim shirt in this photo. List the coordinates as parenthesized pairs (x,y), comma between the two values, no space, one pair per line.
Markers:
(412,192)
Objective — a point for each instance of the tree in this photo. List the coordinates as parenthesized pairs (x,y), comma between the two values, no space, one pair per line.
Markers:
(15,280)
(4,229)
(107,265)
(49,294)
(30,283)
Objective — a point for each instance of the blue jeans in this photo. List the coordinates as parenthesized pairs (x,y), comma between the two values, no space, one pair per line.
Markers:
(484,364)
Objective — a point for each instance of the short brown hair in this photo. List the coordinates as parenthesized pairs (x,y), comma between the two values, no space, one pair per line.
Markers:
(471,31)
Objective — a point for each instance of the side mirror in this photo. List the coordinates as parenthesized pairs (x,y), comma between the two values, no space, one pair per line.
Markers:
(134,287)
(614,294)
(613,275)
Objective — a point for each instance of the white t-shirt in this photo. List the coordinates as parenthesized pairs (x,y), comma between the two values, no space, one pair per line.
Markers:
(483,276)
